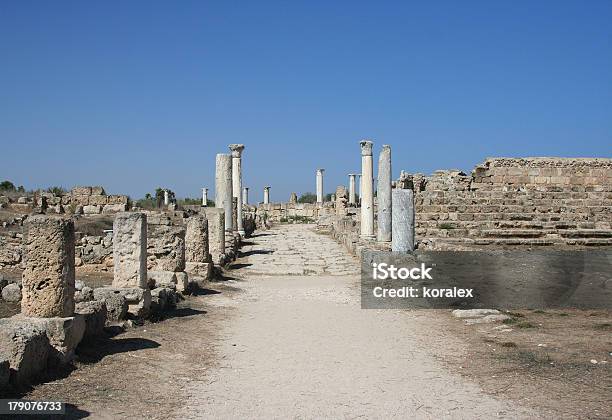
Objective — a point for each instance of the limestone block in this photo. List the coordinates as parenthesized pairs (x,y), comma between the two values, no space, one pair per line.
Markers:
(48,277)
(114,208)
(158,278)
(98,200)
(64,335)
(117,199)
(84,295)
(82,200)
(166,247)
(138,299)
(81,191)
(97,191)
(26,347)
(203,270)
(182,282)
(92,209)
(94,313)
(130,250)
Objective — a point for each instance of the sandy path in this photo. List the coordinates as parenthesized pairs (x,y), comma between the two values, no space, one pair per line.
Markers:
(299,345)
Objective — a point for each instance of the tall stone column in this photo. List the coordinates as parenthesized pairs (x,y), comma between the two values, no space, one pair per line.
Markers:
(320,185)
(360,178)
(383,193)
(403,221)
(130,250)
(367,191)
(204,197)
(216,234)
(266,195)
(237,182)
(245,195)
(352,188)
(48,277)
(223,187)
(166,197)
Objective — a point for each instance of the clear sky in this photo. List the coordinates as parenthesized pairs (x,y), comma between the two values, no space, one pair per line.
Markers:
(133,95)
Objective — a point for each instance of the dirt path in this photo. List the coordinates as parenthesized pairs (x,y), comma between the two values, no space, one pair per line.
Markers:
(283,336)
(300,346)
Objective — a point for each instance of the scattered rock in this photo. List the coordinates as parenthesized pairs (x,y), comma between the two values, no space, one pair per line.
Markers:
(11,293)
(78,285)
(474,313)
(84,295)
(26,346)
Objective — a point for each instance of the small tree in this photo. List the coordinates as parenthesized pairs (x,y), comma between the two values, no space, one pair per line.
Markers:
(7,186)
(308,198)
(57,191)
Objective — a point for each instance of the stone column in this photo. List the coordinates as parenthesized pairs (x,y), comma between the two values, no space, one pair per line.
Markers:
(245,195)
(166,198)
(403,221)
(223,187)
(367,191)
(266,195)
(197,256)
(360,178)
(352,188)
(293,198)
(216,234)
(237,182)
(204,197)
(383,193)
(48,277)
(130,250)
(320,185)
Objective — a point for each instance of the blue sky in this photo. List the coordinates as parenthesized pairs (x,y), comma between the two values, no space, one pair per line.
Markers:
(133,95)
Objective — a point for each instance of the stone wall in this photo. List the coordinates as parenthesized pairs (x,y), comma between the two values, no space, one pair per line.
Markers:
(516,201)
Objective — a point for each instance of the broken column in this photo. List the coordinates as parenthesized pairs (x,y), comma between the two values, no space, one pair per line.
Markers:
(48,298)
(352,188)
(383,193)
(245,195)
(293,198)
(341,199)
(166,197)
(223,187)
(130,273)
(367,191)
(166,253)
(237,183)
(403,221)
(266,195)
(320,185)
(48,276)
(197,256)
(130,250)
(204,197)
(216,234)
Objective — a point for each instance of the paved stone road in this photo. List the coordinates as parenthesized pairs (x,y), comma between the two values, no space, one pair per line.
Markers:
(300,346)
(296,250)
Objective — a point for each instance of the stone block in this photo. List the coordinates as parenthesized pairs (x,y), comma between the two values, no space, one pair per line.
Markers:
(48,276)
(81,191)
(95,314)
(64,335)
(118,199)
(158,278)
(182,282)
(138,300)
(114,208)
(98,191)
(203,270)
(130,250)
(26,347)
(98,200)
(92,209)
(166,247)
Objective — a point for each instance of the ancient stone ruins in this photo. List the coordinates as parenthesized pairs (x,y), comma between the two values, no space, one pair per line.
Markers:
(159,257)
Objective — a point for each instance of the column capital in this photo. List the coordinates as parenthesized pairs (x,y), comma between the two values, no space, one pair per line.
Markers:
(353,174)
(320,170)
(267,187)
(236,150)
(366,147)
(386,147)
